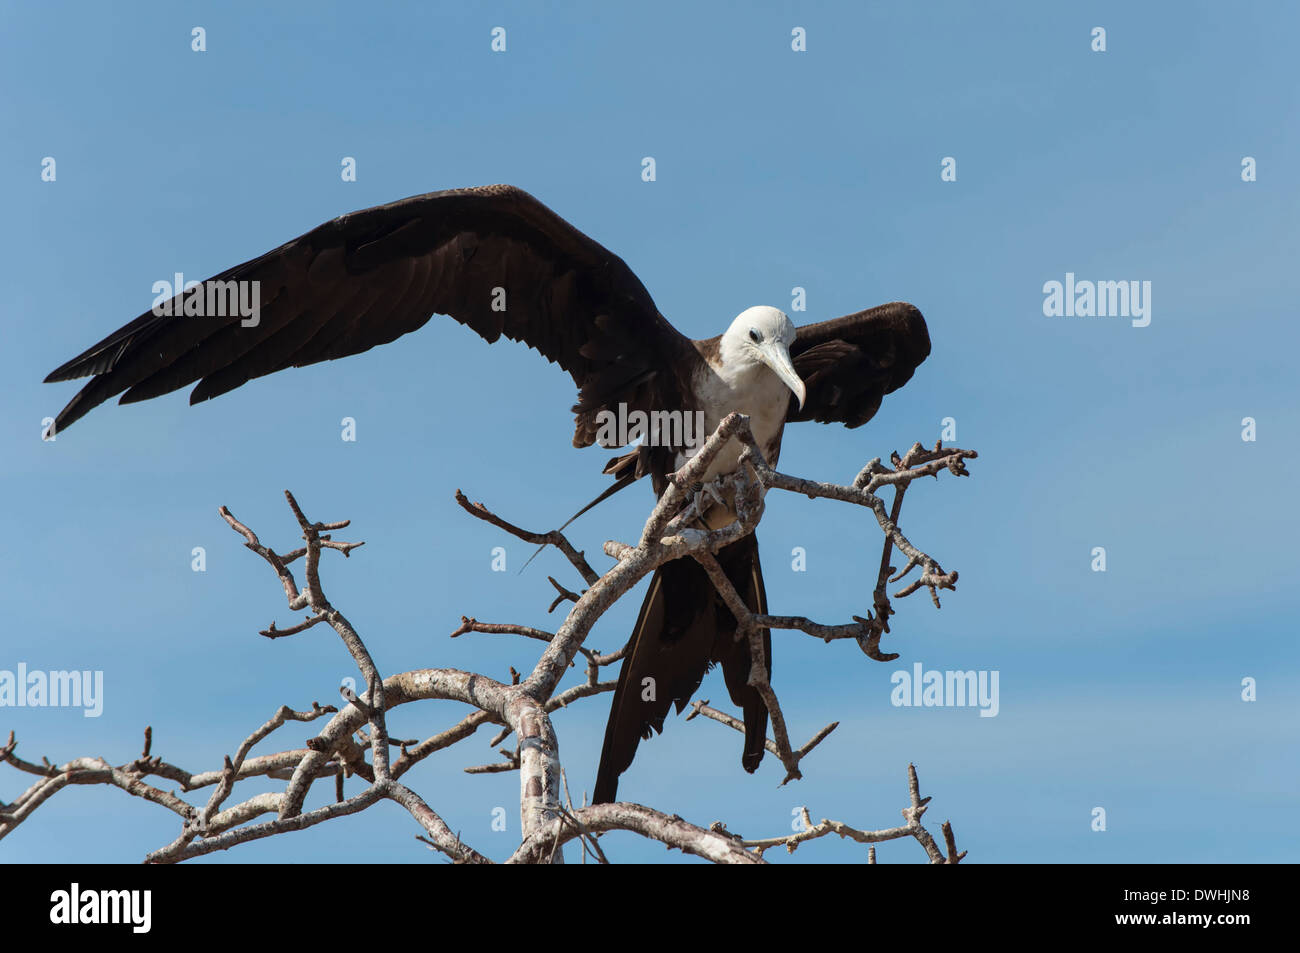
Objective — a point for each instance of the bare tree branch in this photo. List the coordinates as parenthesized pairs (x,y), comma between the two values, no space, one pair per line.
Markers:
(354,741)
(913,828)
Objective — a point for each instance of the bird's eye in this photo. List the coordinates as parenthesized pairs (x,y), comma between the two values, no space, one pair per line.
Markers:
(754,335)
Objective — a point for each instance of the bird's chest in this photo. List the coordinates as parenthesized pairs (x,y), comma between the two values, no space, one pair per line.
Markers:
(762,396)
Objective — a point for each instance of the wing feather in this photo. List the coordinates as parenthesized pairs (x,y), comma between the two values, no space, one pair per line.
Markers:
(368,277)
(849,364)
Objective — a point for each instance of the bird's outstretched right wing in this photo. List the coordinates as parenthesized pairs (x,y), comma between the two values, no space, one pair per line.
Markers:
(494,258)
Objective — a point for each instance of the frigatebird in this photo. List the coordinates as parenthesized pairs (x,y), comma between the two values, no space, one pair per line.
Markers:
(498,260)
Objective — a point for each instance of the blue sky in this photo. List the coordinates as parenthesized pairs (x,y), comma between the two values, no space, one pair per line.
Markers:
(775,169)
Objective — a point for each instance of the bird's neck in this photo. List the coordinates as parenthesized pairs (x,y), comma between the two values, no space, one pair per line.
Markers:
(748,388)
(751,387)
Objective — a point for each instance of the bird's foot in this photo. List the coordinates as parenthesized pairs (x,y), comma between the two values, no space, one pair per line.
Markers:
(713,488)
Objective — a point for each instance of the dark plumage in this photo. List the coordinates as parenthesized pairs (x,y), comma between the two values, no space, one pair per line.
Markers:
(369,277)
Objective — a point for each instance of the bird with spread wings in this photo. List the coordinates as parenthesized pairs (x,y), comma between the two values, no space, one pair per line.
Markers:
(499,261)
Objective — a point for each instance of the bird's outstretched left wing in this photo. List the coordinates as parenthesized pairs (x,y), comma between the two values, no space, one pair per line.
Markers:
(849,364)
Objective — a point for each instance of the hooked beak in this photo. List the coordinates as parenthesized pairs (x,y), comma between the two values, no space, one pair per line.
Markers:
(777,356)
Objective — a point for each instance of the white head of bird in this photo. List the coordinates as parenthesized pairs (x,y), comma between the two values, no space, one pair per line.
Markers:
(757,342)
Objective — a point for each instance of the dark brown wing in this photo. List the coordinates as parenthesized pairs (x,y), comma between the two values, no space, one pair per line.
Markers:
(371,276)
(849,364)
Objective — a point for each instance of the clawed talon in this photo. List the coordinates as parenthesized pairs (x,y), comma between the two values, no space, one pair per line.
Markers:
(713,488)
